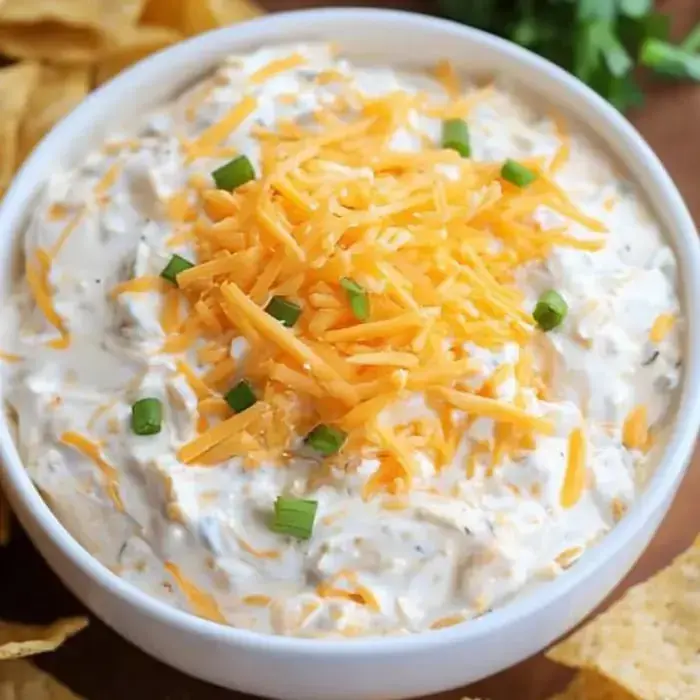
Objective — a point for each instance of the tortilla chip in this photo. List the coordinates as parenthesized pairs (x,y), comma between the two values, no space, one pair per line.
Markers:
(648,641)
(18,640)
(5,521)
(17,84)
(164,13)
(20,680)
(202,15)
(95,14)
(63,31)
(59,90)
(134,44)
(51,42)
(590,686)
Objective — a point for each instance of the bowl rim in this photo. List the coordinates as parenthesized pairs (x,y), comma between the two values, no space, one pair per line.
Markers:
(670,469)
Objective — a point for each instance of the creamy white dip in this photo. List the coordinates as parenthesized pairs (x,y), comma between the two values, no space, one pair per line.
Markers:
(463,539)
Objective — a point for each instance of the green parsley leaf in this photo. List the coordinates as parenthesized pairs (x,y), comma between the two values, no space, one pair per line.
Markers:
(635,8)
(591,10)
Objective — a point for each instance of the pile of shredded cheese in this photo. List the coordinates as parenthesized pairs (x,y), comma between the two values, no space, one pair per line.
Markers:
(435,238)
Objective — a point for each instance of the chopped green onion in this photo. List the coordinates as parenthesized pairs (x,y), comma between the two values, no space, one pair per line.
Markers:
(241,396)
(175,266)
(147,416)
(455,135)
(234,174)
(326,440)
(285,311)
(670,60)
(517,174)
(294,516)
(358,298)
(550,311)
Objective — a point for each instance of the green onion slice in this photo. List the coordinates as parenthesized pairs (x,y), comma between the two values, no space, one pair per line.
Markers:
(326,440)
(294,516)
(285,311)
(550,311)
(175,266)
(147,416)
(517,174)
(241,396)
(233,174)
(670,60)
(358,298)
(455,135)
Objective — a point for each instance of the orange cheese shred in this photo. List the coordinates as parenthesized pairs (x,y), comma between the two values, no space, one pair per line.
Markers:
(217,132)
(218,434)
(37,275)
(499,411)
(662,327)
(203,604)
(276,67)
(10,357)
(635,430)
(575,476)
(92,451)
(139,285)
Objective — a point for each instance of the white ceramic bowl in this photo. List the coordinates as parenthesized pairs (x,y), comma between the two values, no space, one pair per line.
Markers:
(374,668)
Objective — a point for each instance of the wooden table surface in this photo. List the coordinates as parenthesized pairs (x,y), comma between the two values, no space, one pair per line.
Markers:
(101,666)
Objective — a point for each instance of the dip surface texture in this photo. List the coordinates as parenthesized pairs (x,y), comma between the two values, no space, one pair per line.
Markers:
(465,454)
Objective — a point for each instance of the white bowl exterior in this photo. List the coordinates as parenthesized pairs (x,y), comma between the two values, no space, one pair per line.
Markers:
(383,668)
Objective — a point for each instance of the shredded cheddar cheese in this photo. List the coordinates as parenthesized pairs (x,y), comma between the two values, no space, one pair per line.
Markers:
(357,593)
(218,131)
(203,604)
(219,434)
(276,67)
(635,430)
(662,327)
(37,273)
(333,200)
(92,451)
(575,476)
(139,285)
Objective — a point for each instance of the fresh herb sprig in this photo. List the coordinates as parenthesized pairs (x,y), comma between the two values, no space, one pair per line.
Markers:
(602,42)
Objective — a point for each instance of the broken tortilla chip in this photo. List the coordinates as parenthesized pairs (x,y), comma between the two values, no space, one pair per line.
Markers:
(18,640)
(133,44)
(648,641)
(164,13)
(59,90)
(50,41)
(4,521)
(97,14)
(63,31)
(21,680)
(17,84)
(588,685)
(202,15)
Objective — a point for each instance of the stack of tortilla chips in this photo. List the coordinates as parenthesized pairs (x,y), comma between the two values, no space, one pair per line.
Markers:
(644,647)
